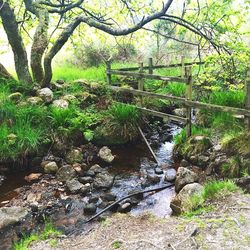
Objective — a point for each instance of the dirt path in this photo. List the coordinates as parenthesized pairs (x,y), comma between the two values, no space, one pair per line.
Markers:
(226,227)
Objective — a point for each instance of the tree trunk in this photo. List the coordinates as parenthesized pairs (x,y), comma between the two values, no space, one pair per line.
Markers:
(40,43)
(4,73)
(11,28)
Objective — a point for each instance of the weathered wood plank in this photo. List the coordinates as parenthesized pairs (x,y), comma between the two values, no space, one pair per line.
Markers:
(164,115)
(181,100)
(150,66)
(188,75)
(162,66)
(148,76)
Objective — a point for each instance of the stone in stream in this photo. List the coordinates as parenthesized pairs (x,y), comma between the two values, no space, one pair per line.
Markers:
(170,174)
(32,177)
(74,186)
(106,155)
(158,170)
(94,199)
(103,181)
(96,169)
(11,215)
(108,197)
(51,168)
(184,176)
(125,207)
(65,173)
(74,156)
(90,209)
(153,178)
(85,179)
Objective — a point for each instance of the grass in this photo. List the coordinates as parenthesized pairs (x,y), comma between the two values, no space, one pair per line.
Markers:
(49,231)
(198,203)
(173,88)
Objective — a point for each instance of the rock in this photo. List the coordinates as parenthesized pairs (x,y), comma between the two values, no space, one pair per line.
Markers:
(77,167)
(170,174)
(74,156)
(244,183)
(180,112)
(74,186)
(184,163)
(32,177)
(93,199)
(125,207)
(11,215)
(60,104)
(90,208)
(2,178)
(181,202)
(108,197)
(51,168)
(46,94)
(56,86)
(158,171)
(35,100)
(202,161)
(86,179)
(85,189)
(103,180)
(106,155)
(60,81)
(153,178)
(33,198)
(90,173)
(184,176)
(69,98)
(96,169)
(65,173)
(15,97)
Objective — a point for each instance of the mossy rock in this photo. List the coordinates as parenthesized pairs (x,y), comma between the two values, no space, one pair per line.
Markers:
(238,145)
(101,137)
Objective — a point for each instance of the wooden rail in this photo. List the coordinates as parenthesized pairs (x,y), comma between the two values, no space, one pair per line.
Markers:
(186,77)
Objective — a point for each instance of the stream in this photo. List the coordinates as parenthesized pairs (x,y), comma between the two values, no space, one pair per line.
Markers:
(128,168)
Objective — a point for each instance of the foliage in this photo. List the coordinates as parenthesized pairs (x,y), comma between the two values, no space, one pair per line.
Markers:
(122,121)
(173,88)
(49,231)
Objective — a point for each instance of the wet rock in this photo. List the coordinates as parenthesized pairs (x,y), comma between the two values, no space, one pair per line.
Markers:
(93,199)
(184,176)
(86,179)
(84,167)
(90,209)
(106,155)
(33,177)
(74,186)
(11,215)
(46,94)
(125,207)
(108,197)
(170,174)
(85,189)
(60,104)
(65,173)
(51,168)
(90,173)
(180,112)
(96,169)
(153,178)
(35,100)
(74,156)
(103,180)
(184,163)
(15,97)
(158,171)
(181,202)
(244,183)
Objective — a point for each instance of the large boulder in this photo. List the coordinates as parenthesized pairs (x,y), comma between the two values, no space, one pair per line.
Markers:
(74,156)
(11,215)
(66,173)
(46,94)
(51,168)
(60,104)
(103,181)
(182,202)
(106,155)
(184,176)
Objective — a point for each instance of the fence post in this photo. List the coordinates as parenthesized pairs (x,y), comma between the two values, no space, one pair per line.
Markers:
(150,65)
(141,81)
(188,75)
(247,103)
(108,68)
(182,67)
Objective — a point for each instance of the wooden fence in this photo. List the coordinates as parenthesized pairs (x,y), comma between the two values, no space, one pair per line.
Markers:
(186,78)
